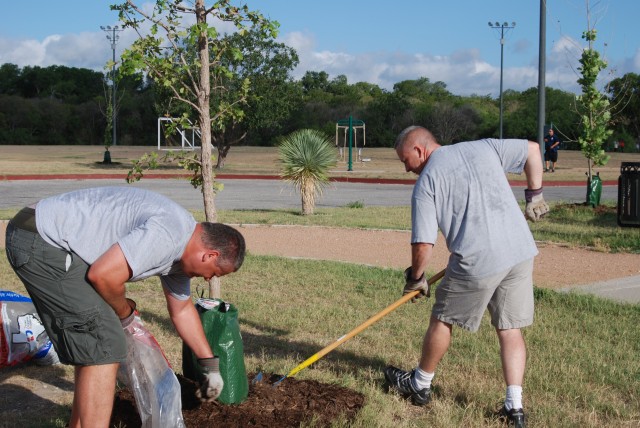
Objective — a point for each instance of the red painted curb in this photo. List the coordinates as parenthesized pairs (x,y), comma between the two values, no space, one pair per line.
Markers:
(515,183)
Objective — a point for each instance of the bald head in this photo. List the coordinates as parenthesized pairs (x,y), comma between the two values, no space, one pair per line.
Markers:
(415,134)
(413,146)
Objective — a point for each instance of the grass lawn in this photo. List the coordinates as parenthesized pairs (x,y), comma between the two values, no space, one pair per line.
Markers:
(583,351)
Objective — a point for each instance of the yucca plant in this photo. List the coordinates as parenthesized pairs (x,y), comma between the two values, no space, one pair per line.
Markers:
(306,157)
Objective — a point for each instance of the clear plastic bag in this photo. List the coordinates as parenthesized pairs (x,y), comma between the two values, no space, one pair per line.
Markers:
(22,335)
(150,378)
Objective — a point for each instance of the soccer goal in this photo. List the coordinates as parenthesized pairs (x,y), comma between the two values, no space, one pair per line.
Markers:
(173,136)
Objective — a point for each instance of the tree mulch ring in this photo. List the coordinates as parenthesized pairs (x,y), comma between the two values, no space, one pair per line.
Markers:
(289,404)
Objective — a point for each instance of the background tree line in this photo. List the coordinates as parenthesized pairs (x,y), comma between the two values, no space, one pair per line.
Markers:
(65,105)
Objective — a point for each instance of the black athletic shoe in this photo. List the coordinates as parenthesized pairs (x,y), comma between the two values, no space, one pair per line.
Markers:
(402,382)
(515,417)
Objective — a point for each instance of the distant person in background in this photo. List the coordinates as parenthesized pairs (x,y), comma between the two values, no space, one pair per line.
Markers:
(615,146)
(622,146)
(551,144)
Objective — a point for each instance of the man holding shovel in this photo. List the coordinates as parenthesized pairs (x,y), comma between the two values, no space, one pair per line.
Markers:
(462,190)
(74,252)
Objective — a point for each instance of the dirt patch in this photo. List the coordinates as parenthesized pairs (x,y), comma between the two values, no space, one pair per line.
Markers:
(289,404)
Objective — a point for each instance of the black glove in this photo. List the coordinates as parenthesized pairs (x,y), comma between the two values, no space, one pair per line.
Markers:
(415,284)
(212,385)
(536,207)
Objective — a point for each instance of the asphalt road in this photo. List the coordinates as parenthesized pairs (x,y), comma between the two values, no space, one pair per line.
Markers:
(261,194)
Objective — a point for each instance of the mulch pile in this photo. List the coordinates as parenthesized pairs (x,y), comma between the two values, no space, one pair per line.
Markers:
(287,405)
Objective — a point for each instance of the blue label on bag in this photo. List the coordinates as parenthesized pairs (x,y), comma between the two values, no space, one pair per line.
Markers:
(10,296)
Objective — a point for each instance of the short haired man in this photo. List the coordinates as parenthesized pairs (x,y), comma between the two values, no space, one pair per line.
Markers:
(74,253)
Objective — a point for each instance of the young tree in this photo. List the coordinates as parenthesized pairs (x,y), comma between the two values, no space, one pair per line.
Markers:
(181,52)
(593,107)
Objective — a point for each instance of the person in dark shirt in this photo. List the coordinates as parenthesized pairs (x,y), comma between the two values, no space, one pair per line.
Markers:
(551,144)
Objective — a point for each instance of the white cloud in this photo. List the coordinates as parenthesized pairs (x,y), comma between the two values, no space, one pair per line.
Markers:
(465,72)
(21,52)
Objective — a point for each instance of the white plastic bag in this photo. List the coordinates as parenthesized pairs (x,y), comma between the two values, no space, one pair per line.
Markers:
(22,335)
(150,378)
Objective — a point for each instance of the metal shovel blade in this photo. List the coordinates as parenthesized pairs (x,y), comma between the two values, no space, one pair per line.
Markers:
(276,383)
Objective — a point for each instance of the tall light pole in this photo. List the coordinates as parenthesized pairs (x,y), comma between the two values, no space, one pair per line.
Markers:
(542,69)
(504,26)
(112,36)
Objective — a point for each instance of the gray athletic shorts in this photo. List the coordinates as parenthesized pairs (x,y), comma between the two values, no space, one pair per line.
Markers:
(508,296)
(83,328)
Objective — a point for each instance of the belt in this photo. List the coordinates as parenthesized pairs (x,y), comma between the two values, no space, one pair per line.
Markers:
(25,220)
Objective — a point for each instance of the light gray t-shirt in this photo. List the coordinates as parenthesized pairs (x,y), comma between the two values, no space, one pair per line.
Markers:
(151,230)
(463,190)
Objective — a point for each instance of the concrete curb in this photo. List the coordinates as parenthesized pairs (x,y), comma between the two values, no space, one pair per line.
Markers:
(622,290)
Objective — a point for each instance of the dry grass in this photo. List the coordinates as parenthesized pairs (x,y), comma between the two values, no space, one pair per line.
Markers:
(26,160)
(582,356)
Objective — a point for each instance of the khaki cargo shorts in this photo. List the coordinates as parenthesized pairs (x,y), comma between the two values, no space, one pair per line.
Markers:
(508,296)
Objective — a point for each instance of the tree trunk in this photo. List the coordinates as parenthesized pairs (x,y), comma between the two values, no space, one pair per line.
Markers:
(307,193)
(205,130)
(223,150)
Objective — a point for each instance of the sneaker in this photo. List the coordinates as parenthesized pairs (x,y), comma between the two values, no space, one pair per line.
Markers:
(515,417)
(546,170)
(402,381)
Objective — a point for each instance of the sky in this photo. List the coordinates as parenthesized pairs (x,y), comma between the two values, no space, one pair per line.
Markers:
(380,42)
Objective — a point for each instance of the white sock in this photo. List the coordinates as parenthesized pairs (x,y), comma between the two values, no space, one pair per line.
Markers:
(514,397)
(422,379)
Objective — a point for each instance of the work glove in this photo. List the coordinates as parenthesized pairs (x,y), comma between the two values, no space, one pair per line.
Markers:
(211,387)
(126,321)
(535,207)
(415,284)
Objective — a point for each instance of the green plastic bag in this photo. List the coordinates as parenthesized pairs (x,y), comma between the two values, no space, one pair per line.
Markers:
(221,327)
(594,190)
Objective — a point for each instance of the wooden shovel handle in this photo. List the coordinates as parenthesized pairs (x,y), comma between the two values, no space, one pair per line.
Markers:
(324,351)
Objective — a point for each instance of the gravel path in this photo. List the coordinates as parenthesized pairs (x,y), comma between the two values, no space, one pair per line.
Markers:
(555,267)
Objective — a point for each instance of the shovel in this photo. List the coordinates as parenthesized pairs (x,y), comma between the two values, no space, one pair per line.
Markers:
(324,351)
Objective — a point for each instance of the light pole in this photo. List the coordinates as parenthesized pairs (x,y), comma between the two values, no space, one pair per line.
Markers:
(501,27)
(542,67)
(112,36)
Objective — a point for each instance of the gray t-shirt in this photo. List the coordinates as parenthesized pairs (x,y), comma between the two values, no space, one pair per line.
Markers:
(151,230)
(463,190)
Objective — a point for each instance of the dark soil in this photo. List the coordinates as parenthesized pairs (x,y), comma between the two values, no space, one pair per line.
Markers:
(286,405)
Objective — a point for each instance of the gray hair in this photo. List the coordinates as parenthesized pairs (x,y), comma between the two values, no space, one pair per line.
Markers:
(227,240)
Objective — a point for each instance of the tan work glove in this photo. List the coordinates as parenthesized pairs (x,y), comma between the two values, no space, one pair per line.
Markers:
(535,207)
(412,285)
